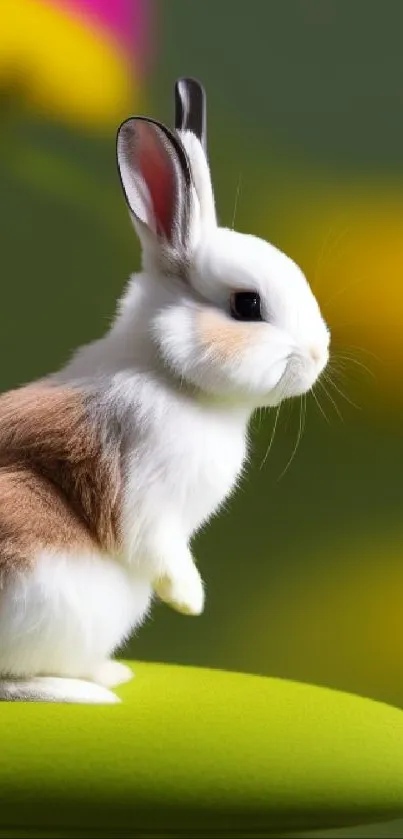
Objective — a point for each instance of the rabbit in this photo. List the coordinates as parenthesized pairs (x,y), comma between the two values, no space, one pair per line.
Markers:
(109,466)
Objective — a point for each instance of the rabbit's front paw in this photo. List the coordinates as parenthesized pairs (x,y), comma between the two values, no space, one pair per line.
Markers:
(183,592)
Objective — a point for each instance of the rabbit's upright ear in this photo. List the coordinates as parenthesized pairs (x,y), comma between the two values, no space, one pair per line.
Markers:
(191,126)
(156,180)
(190,109)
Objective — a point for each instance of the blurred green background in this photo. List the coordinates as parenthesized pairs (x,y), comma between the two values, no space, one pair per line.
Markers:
(304,572)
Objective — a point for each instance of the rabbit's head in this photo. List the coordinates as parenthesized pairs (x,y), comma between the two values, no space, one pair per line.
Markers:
(236,317)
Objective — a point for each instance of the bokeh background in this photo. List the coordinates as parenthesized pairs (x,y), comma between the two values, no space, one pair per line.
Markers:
(304,572)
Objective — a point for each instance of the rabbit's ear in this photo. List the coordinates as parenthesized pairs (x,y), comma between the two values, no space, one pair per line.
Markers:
(156,180)
(191,126)
(190,109)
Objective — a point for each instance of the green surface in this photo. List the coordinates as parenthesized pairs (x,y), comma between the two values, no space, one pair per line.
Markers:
(200,750)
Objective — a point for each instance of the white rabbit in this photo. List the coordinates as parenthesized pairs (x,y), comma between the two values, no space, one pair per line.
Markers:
(108,467)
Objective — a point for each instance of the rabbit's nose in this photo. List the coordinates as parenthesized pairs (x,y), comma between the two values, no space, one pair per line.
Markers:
(319,355)
(315,353)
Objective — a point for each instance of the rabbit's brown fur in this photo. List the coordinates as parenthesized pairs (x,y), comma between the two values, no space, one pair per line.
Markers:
(58,487)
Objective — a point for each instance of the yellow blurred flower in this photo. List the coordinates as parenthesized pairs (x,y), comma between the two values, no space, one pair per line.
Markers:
(348,237)
(71,60)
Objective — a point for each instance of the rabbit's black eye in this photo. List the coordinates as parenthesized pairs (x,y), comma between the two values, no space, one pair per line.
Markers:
(245,305)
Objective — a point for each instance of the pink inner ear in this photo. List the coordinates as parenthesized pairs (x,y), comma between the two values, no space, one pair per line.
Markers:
(157,170)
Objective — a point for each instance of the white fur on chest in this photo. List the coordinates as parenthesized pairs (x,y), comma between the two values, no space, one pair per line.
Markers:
(183,467)
(182,458)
